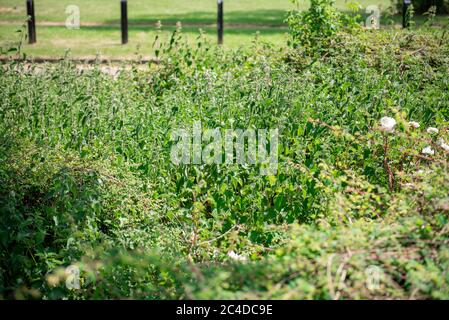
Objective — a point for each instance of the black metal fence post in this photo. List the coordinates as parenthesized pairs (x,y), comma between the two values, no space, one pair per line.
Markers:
(405,5)
(124,21)
(31,22)
(220,22)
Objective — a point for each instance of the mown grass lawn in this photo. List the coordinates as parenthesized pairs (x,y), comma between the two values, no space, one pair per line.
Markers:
(149,11)
(100,33)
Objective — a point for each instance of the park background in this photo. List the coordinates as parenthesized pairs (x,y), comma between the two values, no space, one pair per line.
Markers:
(99,33)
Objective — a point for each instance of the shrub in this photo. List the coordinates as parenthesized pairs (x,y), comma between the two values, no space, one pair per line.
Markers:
(314,29)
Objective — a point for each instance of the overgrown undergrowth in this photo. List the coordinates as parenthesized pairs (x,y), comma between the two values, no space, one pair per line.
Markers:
(86,176)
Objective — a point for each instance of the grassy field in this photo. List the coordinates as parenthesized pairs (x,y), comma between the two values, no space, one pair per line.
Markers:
(105,40)
(142,11)
(100,33)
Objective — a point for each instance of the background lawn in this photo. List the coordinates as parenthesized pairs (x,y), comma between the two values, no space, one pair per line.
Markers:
(100,24)
(149,11)
(105,40)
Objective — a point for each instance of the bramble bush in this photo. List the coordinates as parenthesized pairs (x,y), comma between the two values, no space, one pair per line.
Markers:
(362,183)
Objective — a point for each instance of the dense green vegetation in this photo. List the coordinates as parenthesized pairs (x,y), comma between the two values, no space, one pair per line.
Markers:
(86,178)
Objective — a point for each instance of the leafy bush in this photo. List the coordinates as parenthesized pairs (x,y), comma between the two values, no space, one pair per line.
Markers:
(315,28)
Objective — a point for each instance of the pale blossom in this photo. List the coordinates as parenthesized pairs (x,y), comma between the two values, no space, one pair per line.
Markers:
(432,130)
(414,124)
(235,256)
(443,145)
(428,150)
(387,124)
(422,172)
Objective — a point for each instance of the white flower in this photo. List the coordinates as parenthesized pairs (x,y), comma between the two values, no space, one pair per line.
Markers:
(235,256)
(387,124)
(428,150)
(414,124)
(443,144)
(422,172)
(432,130)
